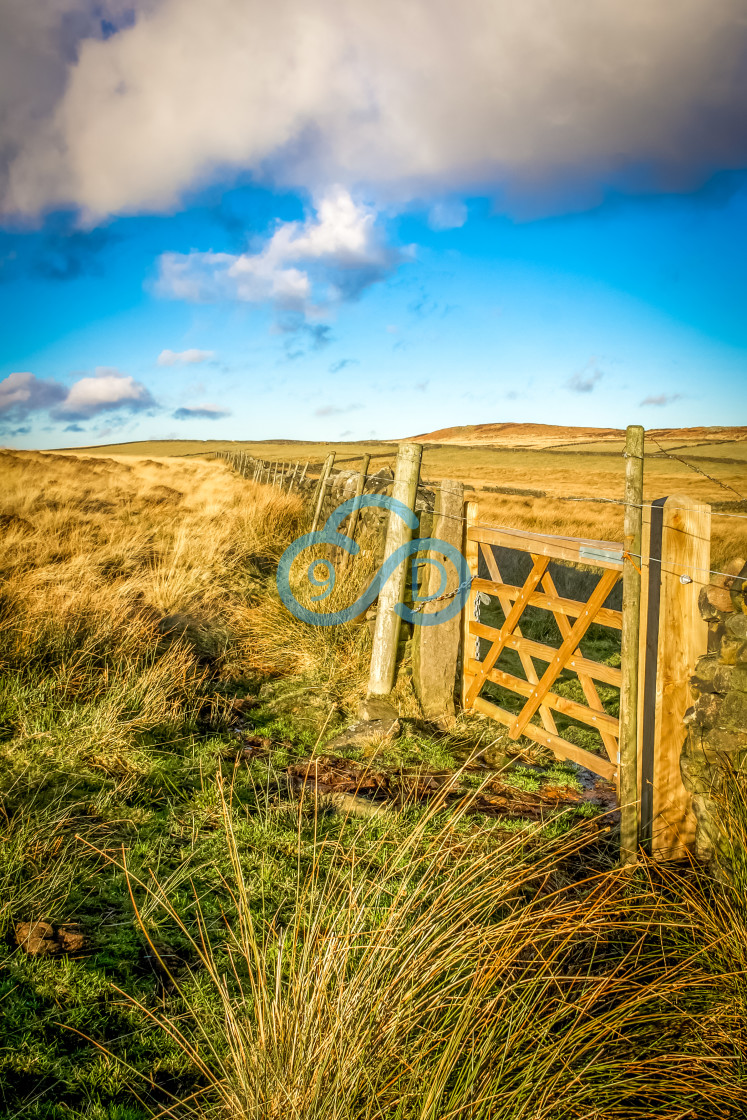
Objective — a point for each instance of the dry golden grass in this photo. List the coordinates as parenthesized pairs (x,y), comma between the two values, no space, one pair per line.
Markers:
(125,586)
(590,470)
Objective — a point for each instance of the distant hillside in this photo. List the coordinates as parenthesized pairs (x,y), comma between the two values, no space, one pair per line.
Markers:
(554,435)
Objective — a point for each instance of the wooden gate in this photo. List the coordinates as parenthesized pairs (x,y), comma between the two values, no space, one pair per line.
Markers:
(572,616)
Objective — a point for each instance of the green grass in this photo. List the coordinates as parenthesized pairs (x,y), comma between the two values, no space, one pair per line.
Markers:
(426,964)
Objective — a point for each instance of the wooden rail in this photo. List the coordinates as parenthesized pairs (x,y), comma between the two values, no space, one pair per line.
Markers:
(579,550)
(569,607)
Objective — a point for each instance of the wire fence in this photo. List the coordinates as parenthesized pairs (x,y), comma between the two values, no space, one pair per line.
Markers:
(286,473)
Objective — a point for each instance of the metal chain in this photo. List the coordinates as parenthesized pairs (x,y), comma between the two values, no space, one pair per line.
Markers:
(441,598)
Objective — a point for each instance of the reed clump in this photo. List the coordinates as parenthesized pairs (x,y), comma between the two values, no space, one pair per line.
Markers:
(410,977)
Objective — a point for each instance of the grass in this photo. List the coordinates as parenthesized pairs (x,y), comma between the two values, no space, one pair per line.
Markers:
(249,952)
(520,486)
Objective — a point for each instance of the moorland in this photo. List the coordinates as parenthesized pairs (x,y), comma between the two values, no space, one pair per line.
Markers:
(187,931)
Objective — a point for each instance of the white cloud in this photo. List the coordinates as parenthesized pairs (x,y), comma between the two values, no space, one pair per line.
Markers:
(107,391)
(184,357)
(414,99)
(342,251)
(24,393)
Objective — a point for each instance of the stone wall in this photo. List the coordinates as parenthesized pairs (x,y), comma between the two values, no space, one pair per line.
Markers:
(716,743)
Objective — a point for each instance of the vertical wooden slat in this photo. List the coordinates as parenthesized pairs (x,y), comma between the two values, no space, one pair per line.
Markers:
(679,559)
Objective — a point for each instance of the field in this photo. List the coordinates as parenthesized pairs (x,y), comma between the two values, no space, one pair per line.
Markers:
(188,932)
(529,487)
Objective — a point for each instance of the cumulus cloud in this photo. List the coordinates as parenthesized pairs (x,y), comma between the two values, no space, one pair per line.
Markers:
(308,92)
(107,391)
(21,394)
(184,357)
(661,399)
(201,412)
(304,266)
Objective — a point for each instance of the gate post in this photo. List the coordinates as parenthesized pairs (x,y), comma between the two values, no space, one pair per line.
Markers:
(471,555)
(386,632)
(627,758)
(676,558)
(436,648)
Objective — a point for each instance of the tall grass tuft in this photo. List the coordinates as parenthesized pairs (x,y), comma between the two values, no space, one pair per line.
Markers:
(410,978)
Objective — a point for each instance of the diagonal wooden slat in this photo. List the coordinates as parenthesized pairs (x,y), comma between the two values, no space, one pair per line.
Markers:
(556,603)
(526,661)
(561,747)
(573,708)
(609,738)
(595,669)
(566,651)
(539,567)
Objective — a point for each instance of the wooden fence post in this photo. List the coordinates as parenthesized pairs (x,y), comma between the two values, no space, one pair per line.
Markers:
(303,473)
(386,632)
(631,615)
(319,496)
(471,553)
(676,558)
(353,523)
(436,648)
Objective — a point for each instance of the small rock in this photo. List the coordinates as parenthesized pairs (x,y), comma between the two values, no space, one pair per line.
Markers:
(731,649)
(705,712)
(376,708)
(732,713)
(722,678)
(722,741)
(736,626)
(717,598)
(36,938)
(738,680)
(71,938)
(705,674)
(364,732)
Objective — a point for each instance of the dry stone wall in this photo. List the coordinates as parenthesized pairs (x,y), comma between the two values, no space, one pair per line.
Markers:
(716,743)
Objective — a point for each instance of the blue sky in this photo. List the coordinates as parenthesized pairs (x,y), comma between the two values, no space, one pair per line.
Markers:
(312,296)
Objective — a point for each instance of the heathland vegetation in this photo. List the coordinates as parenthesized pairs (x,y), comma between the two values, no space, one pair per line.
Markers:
(526,479)
(186,931)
